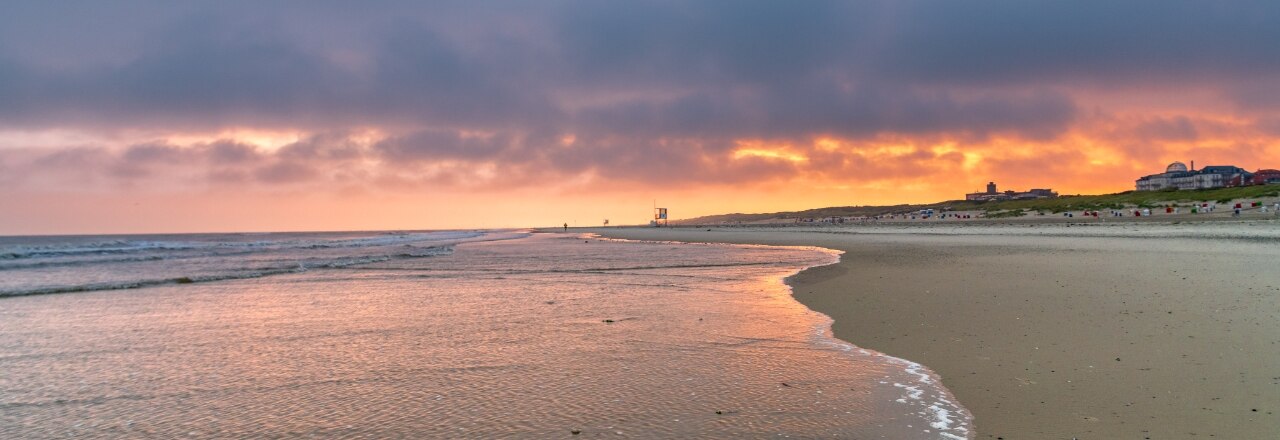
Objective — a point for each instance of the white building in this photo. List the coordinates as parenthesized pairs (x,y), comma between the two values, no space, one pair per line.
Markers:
(1176,175)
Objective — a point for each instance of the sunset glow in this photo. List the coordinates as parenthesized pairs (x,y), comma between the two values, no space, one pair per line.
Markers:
(215,117)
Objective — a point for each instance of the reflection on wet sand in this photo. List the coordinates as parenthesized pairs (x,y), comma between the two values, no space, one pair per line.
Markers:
(534,337)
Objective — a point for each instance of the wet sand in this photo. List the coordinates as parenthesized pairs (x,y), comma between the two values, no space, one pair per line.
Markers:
(1119,331)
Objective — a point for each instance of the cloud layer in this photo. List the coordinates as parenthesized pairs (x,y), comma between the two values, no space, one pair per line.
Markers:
(398,96)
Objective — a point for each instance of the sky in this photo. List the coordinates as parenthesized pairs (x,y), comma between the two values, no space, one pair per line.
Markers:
(141,116)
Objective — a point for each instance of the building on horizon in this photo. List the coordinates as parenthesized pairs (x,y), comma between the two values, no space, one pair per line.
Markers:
(992,194)
(1266,176)
(1178,175)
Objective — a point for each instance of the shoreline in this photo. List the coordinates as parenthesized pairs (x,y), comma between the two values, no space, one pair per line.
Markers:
(937,414)
(1050,333)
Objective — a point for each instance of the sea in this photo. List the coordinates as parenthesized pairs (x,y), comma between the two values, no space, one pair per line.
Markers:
(436,334)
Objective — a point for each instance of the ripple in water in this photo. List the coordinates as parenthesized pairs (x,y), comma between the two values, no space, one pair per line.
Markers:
(535,337)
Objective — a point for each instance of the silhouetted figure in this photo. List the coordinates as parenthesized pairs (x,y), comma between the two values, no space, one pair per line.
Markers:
(566,227)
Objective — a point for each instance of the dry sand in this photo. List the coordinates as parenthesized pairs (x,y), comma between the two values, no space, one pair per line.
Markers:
(1051,331)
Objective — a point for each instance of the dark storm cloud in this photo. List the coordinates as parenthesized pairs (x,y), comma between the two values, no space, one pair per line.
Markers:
(421,74)
(994,42)
(879,108)
(211,70)
(233,64)
(652,90)
(705,43)
(829,109)
(15,90)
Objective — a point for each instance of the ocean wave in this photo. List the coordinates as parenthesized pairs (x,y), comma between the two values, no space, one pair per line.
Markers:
(99,248)
(37,264)
(126,246)
(134,284)
(389,240)
(245,273)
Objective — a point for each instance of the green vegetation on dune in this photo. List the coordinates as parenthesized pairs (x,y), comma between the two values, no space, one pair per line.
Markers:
(1005,214)
(1142,199)
(1017,208)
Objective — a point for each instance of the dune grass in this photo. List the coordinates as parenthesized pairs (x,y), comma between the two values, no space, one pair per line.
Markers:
(1141,199)
(1017,208)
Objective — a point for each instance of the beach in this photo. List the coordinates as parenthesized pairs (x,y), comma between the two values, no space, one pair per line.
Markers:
(1105,330)
(435,334)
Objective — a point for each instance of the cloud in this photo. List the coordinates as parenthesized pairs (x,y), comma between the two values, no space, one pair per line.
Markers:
(284,172)
(1103,43)
(226,152)
(775,68)
(441,145)
(696,44)
(1269,125)
(1178,128)
(465,95)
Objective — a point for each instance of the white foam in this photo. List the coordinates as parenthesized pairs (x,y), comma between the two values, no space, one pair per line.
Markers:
(913,393)
(941,416)
(918,370)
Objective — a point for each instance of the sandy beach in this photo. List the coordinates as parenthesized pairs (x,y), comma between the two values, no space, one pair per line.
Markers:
(1059,331)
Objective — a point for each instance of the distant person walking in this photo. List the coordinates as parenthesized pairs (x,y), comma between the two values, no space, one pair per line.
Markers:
(566,227)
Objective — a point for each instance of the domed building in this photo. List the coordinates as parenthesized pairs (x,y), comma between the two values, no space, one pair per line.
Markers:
(1178,175)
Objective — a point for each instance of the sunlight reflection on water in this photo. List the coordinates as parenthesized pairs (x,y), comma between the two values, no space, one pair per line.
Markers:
(534,337)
